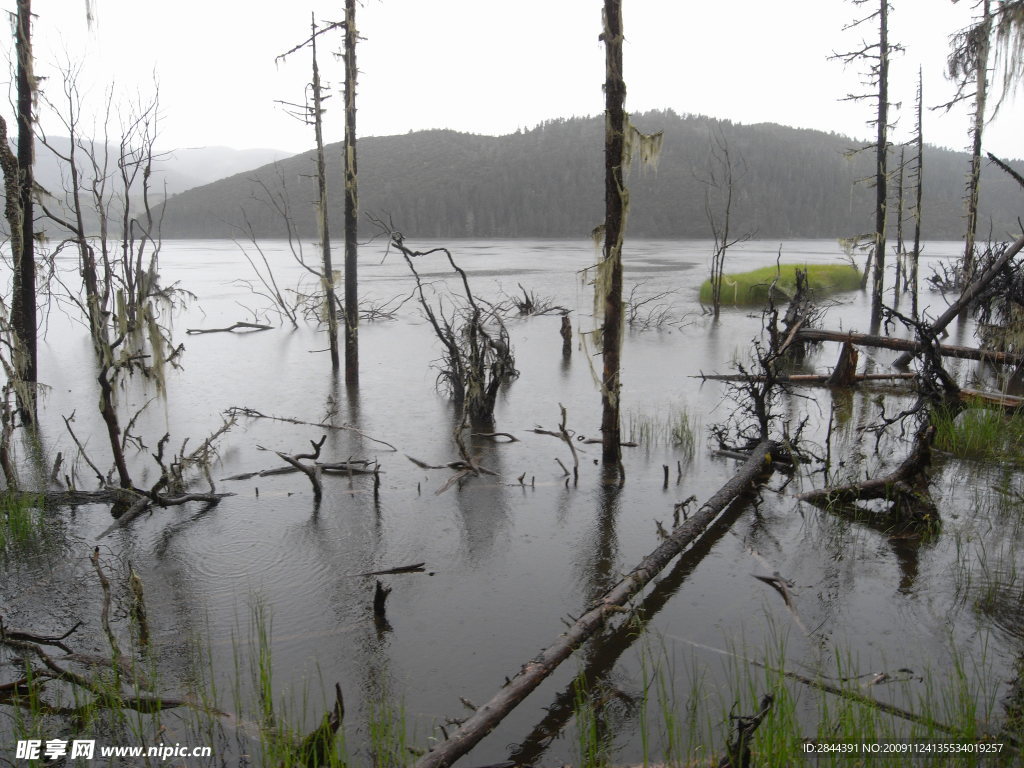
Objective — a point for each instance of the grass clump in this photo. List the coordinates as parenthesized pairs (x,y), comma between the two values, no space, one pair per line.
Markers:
(674,427)
(20,518)
(980,433)
(751,288)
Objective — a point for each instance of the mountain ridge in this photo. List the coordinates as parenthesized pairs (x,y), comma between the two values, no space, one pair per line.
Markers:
(547,182)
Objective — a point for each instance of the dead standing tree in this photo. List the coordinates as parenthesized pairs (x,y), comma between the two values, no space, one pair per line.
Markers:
(18,187)
(616,199)
(351,201)
(313,114)
(876,54)
(477,356)
(968,67)
(720,182)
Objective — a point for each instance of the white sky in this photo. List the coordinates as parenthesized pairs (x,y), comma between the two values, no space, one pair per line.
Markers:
(492,67)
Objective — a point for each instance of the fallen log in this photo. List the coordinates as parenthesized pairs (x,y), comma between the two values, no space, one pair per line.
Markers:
(996,399)
(808,378)
(908,345)
(970,293)
(531,674)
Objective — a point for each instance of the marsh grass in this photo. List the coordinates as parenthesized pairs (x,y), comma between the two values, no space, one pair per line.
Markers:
(980,433)
(672,426)
(751,288)
(21,520)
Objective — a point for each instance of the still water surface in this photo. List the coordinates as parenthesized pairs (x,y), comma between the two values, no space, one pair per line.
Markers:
(505,563)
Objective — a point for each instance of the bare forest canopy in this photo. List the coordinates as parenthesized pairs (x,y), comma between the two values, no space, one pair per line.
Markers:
(545,182)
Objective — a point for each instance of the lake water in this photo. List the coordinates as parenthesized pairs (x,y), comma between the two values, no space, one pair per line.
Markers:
(505,563)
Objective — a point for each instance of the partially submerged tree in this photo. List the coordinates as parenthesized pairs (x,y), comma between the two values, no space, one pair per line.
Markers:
(18,189)
(969,67)
(313,114)
(719,188)
(351,202)
(616,199)
(877,55)
(120,296)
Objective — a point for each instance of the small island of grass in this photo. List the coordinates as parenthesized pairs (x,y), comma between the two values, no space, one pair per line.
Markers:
(751,288)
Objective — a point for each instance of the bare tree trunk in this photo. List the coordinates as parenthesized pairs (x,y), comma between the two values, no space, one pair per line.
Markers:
(23,303)
(351,201)
(977,129)
(881,163)
(330,300)
(919,180)
(615,203)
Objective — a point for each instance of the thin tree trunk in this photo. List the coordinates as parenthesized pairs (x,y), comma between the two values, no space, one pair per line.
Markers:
(533,673)
(23,301)
(977,129)
(351,201)
(330,300)
(615,203)
(881,163)
(919,173)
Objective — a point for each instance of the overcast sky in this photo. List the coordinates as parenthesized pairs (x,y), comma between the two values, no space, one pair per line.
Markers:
(492,67)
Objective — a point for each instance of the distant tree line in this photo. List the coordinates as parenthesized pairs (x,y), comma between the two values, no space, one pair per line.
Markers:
(546,182)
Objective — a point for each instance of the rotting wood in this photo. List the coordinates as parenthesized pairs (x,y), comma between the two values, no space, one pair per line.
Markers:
(738,752)
(906,487)
(239,326)
(566,333)
(909,345)
(997,399)
(531,674)
(969,294)
(845,372)
(310,471)
(350,467)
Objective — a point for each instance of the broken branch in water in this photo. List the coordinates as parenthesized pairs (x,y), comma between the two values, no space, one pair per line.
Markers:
(414,568)
(239,326)
(252,413)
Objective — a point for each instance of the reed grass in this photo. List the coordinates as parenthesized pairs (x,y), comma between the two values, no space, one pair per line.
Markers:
(980,433)
(673,427)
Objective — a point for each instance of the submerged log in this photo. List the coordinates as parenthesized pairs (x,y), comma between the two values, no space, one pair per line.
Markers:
(531,674)
(808,378)
(908,345)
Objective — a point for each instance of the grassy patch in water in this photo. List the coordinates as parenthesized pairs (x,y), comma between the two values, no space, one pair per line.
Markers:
(980,433)
(751,288)
(674,427)
(20,518)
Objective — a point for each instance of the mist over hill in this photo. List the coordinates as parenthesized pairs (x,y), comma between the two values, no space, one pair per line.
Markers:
(548,182)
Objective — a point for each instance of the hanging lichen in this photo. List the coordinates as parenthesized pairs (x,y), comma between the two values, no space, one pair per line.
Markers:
(647,146)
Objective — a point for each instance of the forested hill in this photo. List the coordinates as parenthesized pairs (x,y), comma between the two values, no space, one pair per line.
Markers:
(548,182)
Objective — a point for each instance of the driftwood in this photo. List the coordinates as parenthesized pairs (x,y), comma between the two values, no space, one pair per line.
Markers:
(252,413)
(414,568)
(487,717)
(995,399)
(906,487)
(310,471)
(144,502)
(908,345)
(239,326)
(969,294)
(358,467)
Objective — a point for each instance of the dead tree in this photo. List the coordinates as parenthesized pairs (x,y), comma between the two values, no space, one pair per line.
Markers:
(610,280)
(968,66)
(313,114)
(477,356)
(877,55)
(917,174)
(351,201)
(720,182)
(19,212)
